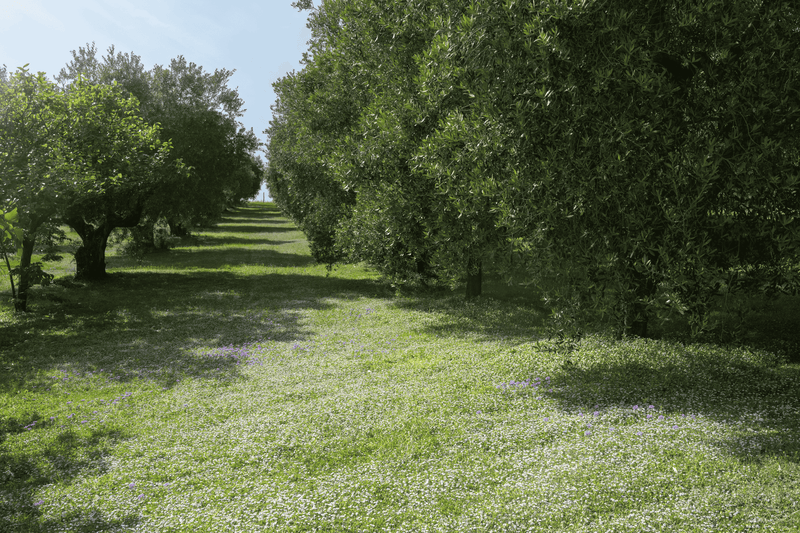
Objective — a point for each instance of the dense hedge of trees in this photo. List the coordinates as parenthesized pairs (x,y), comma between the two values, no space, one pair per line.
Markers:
(642,154)
(115,146)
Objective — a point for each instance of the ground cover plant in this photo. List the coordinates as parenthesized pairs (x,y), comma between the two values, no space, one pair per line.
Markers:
(232,384)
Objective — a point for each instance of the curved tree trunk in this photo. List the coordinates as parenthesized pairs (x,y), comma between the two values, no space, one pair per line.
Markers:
(28,244)
(90,257)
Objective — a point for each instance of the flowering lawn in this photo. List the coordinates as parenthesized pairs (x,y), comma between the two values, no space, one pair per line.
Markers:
(234,385)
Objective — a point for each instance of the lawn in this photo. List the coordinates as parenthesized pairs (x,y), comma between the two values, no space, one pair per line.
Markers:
(232,384)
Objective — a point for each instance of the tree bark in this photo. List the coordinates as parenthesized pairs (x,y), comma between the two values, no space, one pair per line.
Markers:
(90,257)
(637,320)
(177,229)
(474,278)
(28,244)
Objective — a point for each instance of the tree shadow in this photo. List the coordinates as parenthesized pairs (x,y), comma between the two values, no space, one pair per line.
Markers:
(686,380)
(264,210)
(68,456)
(154,327)
(241,228)
(515,314)
(714,380)
(752,321)
(137,324)
(215,258)
(211,240)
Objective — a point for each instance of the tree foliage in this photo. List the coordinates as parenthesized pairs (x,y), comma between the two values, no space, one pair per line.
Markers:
(31,115)
(652,146)
(82,156)
(642,156)
(124,158)
(199,114)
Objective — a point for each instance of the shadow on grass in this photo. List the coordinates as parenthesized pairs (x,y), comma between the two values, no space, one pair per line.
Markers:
(212,240)
(258,210)
(227,257)
(228,227)
(511,313)
(718,381)
(65,457)
(725,386)
(162,325)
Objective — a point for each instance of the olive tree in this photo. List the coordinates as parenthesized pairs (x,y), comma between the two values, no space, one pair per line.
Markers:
(122,158)
(31,177)
(651,148)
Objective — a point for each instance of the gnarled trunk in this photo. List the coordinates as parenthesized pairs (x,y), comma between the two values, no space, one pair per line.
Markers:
(90,257)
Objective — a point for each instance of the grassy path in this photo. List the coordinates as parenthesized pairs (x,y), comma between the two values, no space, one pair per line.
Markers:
(234,385)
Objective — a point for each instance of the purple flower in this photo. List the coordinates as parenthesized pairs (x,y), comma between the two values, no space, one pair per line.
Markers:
(131,485)
(596,413)
(661,417)
(141,496)
(635,407)
(37,504)
(588,433)
(651,406)
(675,426)
(638,432)
(546,419)
(649,416)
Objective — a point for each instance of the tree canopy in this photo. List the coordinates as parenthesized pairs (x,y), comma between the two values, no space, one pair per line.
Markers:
(199,114)
(63,154)
(642,154)
(114,145)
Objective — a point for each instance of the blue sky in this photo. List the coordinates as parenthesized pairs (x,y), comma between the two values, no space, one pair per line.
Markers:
(261,40)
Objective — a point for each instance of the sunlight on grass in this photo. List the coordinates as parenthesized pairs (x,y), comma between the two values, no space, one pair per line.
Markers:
(227,386)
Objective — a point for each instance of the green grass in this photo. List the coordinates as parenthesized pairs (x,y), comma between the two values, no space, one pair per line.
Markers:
(234,385)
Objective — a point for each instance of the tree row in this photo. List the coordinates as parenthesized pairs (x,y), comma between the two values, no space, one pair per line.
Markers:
(111,145)
(634,157)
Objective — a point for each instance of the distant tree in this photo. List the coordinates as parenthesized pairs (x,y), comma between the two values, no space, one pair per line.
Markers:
(344,133)
(390,225)
(298,177)
(199,114)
